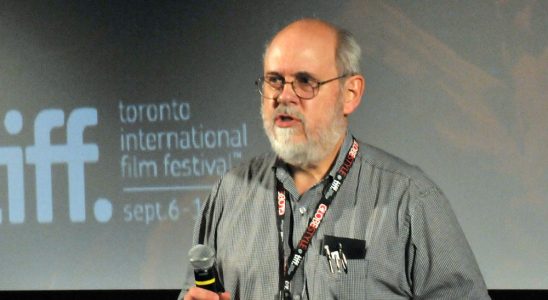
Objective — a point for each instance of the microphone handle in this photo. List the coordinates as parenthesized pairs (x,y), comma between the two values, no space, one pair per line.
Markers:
(207,279)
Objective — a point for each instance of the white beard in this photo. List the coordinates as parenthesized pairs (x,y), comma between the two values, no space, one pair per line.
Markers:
(318,144)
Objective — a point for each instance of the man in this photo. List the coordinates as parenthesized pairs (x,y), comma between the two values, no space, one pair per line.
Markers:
(326,217)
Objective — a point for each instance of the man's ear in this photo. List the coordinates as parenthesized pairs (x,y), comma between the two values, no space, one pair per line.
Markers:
(354,88)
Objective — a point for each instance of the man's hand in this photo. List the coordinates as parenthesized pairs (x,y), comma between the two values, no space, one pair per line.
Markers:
(196,293)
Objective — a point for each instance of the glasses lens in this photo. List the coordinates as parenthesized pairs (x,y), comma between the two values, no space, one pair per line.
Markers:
(303,89)
(269,86)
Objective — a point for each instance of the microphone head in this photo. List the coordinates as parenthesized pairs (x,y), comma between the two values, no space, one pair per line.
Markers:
(201,257)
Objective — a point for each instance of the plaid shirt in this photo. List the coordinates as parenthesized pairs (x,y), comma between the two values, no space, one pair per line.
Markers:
(414,246)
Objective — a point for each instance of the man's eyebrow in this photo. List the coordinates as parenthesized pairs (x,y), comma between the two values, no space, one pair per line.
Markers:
(301,74)
(304,74)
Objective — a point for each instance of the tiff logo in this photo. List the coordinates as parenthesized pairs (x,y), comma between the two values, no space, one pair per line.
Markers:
(43,155)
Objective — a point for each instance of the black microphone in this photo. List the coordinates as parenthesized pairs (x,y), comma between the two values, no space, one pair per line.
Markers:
(202,258)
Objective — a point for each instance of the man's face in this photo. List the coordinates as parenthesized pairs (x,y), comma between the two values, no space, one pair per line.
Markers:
(303,132)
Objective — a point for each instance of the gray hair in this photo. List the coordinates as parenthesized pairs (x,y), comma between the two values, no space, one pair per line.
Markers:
(347,53)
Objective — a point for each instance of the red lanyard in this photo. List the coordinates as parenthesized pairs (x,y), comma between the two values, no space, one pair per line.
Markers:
(296,257)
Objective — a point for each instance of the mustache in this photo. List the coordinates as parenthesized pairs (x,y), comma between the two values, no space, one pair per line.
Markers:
(289,110)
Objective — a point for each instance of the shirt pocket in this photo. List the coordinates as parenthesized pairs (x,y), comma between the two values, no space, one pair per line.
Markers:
(339,285)
(351,284)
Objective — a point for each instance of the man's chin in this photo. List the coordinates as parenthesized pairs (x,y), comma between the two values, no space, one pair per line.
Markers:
(298,154)
(291,141)
(289,144)
(292,147)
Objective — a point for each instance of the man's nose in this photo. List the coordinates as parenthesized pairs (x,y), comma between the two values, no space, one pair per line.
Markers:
(287,94)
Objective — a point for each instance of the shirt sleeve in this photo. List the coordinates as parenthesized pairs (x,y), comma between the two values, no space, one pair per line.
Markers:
(206,222)
(442,265)
(204,232)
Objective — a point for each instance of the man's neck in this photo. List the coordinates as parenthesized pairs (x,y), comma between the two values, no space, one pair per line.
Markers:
(307,177)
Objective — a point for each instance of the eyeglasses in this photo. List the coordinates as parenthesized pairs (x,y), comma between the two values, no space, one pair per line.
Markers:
(305,87)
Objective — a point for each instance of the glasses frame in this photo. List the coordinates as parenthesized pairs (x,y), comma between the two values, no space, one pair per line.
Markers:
(259,83)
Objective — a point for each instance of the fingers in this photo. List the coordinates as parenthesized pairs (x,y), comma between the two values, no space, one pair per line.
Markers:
(196,293)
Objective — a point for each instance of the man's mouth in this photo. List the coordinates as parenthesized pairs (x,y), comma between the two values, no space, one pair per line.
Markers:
(285,120)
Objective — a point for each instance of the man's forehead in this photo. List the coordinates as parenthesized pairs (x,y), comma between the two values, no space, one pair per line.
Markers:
(294,62)
(308,27)
(302,45)
(306,32)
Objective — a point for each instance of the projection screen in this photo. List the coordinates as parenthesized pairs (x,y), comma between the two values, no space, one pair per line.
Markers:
(118,116)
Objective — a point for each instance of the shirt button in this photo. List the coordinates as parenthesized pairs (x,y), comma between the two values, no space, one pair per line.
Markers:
(302,210)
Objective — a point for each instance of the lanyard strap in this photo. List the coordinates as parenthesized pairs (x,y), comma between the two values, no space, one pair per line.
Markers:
(296,257)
